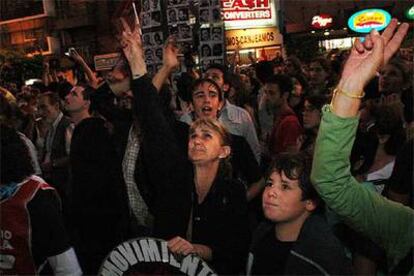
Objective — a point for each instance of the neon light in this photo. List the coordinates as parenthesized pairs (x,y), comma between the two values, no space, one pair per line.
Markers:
(366,20)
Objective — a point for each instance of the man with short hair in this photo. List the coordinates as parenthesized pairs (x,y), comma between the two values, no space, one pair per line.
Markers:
(55,160)
(286,127)
(234,118)
(98,204)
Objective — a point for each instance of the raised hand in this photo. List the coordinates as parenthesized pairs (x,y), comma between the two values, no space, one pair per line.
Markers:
(78,58)
(131,43)
(170,53)
(367,57)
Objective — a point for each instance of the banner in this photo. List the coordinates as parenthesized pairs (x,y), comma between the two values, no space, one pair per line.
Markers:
(149,256)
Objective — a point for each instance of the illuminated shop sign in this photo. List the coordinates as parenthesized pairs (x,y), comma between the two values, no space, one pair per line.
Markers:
(322,21)
(238,14)
(410,13)
(252,38)
(366,20)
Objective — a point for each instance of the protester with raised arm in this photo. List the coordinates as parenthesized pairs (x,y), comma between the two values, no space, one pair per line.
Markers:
(388,224)
(201,205)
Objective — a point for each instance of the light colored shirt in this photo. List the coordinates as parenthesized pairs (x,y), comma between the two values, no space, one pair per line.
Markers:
(137,204)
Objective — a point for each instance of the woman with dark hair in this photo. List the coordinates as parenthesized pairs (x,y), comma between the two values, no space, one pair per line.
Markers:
(206,204)
(32,230)
(386,138)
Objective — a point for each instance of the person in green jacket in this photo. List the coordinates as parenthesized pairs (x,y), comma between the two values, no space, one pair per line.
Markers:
(387,223)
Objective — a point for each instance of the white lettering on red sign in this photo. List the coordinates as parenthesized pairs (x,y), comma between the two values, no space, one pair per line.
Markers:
(320,22)
(246,9)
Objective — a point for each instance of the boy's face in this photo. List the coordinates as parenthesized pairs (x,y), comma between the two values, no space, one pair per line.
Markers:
(282,200)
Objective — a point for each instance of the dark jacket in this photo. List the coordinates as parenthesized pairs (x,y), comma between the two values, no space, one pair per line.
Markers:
(316,251)
(162,176)
(58,177)
(221,223)
(98,203)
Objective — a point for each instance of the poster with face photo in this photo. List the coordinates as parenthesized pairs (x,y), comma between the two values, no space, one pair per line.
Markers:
(155,5)
(184,32)
(217,34)
(216,15)
(205,34)
(158,54)
(182,15)
(146,20)
(215,3)
(173,30)
(204,16)
(156,19)
(149,56)
(157,38)
(205,63)
(145,5)
(217,49)
(172,16)
(146,40)
(205,50)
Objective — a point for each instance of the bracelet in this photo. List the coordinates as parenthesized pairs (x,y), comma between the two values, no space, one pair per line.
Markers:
(349,95)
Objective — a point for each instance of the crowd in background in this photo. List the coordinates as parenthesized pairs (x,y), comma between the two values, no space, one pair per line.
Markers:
(115,146)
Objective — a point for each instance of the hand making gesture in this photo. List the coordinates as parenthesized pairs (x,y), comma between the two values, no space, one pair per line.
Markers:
(131,43)
(365,60)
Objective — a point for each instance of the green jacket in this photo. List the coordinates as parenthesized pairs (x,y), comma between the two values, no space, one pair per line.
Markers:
(389,224)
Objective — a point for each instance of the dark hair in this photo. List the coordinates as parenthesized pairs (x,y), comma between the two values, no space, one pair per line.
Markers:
(184,85)
(52,97)
(16,164)
(317,101)
(201,81)
(388,121)
(283,81)
(223,70)
(297,166)
(324,63)
(264,70)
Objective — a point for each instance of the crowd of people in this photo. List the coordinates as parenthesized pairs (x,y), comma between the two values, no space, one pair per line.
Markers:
(278,168)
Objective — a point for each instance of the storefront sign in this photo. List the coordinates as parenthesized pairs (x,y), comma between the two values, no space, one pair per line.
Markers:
(252,38)
(248,13)
(106,62)
(366,20)
(322,21)
(148,256)
(410,13)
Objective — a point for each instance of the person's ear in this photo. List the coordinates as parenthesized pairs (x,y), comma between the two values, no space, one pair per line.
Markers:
(310,205)
(225,151)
